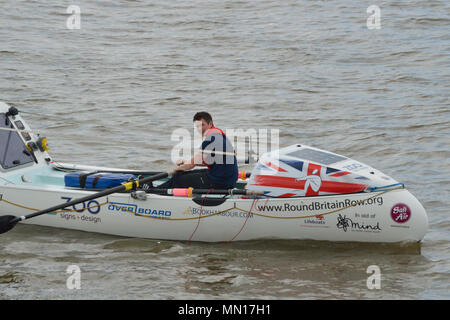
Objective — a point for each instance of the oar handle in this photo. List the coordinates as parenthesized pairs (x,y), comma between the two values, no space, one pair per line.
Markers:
(243,175)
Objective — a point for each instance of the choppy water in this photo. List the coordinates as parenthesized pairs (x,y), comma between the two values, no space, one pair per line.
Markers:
(112,92)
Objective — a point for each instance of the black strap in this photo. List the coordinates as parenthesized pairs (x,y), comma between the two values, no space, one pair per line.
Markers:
(94,182)
(82,178)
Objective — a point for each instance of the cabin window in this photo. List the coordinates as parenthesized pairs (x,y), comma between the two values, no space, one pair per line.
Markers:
(316,156)
(13,151)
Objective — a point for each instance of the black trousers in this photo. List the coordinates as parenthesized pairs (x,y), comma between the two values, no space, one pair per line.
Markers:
(193,178)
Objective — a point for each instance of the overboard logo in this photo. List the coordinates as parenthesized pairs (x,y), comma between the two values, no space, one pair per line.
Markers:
(138,211)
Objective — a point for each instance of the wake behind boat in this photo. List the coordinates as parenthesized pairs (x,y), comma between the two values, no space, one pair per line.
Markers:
(297,192)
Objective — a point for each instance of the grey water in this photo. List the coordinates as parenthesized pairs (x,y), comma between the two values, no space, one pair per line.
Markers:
(112,91)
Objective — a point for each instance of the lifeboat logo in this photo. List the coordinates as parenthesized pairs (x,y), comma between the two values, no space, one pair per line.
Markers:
(400,213)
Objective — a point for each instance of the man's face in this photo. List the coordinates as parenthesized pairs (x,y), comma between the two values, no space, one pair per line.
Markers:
(202,126)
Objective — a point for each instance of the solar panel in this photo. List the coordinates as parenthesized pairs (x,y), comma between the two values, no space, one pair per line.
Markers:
(316,156)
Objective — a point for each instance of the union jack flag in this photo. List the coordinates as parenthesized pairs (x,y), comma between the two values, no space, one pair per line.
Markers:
(288,178)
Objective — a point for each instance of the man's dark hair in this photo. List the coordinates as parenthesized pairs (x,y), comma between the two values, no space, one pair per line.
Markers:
(203,115)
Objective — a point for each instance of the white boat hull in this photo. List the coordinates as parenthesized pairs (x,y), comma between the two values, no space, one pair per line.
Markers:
(363,217)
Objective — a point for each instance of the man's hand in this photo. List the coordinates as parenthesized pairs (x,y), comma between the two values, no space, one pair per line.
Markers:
(185,166)
(178,168)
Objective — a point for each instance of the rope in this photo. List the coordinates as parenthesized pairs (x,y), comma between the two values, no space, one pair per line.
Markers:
(198,223)
(245,222)
(16,130)
(212,214)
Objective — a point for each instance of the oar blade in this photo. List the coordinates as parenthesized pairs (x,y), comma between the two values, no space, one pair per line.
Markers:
(7,223)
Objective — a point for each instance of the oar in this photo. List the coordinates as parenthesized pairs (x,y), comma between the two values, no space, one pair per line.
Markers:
(9,221)
(190,192)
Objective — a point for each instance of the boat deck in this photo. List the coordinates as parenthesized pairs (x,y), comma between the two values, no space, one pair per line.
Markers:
(49,177)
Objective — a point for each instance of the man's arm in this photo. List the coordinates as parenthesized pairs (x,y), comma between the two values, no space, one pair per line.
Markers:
(196,160)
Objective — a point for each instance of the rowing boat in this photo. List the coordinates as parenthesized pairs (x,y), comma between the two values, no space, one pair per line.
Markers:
(297,192)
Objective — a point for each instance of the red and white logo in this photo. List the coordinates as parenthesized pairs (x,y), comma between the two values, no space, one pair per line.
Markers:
(400,213)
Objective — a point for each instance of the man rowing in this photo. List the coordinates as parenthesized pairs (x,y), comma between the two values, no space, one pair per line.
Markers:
(216,153)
